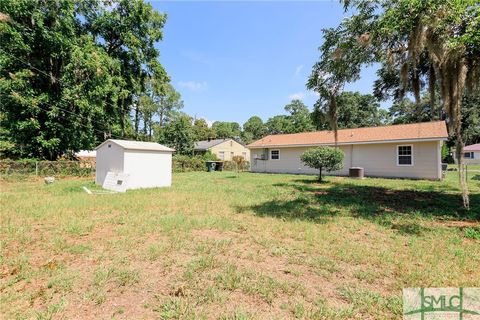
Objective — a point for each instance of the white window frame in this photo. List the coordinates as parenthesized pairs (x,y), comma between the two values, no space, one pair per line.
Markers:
(221,155)
(398,156)
(271,158)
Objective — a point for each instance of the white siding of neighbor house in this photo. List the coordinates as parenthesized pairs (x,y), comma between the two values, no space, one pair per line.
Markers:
(378,160)
(108,159)
(475,160)
(148,169)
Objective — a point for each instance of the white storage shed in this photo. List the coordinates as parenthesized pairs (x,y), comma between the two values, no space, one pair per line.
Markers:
(141,164)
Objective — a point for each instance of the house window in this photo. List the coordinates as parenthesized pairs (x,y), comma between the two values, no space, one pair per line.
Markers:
(231,155)
(244,155)
(468,155)
(405,155)
(275,154)
(221,155)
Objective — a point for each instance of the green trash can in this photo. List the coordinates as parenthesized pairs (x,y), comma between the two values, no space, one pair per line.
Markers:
(211,166)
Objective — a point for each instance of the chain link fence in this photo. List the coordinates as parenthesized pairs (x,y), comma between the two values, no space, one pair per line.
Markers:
(47,168)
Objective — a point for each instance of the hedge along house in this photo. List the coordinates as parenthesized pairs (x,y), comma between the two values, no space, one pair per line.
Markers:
(224,149)
(144,164)
(396,151)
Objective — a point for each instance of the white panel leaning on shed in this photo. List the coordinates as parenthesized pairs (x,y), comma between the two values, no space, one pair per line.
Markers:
(145,164)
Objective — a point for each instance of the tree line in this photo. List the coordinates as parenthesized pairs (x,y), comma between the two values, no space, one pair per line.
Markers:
(76,72)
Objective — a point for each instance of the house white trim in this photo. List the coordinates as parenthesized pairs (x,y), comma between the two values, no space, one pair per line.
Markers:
(411,155)
(271,151)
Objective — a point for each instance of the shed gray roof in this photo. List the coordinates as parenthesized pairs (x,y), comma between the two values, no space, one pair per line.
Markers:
(138,145)
(205,144)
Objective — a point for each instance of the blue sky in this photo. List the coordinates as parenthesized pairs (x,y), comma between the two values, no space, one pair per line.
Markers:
(233,60)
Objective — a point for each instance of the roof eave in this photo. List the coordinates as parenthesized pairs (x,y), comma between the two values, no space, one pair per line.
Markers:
(344,143)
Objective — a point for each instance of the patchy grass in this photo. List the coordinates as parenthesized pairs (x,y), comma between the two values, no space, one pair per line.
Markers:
(256,246)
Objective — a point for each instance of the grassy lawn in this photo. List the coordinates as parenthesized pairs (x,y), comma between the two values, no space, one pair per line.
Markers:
(218,245)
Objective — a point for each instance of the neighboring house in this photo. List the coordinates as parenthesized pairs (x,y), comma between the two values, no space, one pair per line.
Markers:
(471,154)
(403,151)
(224,149)
(87,158)
(144,164)
(86,155)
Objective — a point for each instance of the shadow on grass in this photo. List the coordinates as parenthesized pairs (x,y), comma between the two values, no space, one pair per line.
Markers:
(318,202)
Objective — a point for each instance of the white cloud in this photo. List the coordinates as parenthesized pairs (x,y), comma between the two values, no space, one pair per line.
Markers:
(314,94)
(193,85)
(298,69)
(296,96)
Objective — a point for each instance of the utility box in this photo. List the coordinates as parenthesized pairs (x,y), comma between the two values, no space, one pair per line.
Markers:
(356,172)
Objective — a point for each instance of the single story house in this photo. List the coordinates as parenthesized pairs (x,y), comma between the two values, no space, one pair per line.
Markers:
(86,158)
(397,151)
(139,164)
(224,149)
(471,154)
(86,154)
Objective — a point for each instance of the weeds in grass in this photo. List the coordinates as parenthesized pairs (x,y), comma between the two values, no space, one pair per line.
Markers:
(175,308)
(370,302)
(472,233)
(238,314)
(51,311)
(266,287)
(121,277)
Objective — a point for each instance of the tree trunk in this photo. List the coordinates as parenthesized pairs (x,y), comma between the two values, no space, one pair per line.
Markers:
(459,145)
(160,116)
(145,124)
(137,119)
(452,72)
(150,128)
(122,117)
(320,175)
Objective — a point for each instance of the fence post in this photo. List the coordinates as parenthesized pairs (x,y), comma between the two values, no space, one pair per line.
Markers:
(36,168)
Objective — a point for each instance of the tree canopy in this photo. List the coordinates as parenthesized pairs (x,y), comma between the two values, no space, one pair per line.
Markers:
(253,129)
(354,110)
(431,45)
(324,157)
(72,72)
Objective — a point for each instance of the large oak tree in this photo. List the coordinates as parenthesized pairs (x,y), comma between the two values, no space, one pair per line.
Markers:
(422,42)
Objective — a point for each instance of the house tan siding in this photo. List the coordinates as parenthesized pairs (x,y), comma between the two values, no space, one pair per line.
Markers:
(230,148)
(377,159)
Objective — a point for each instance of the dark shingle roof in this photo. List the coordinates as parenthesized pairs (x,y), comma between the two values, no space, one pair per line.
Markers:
(206,144)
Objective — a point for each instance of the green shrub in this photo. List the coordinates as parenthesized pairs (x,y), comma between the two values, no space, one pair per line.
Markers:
(472,233)
(209,156)
(323,157)
(183,163)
